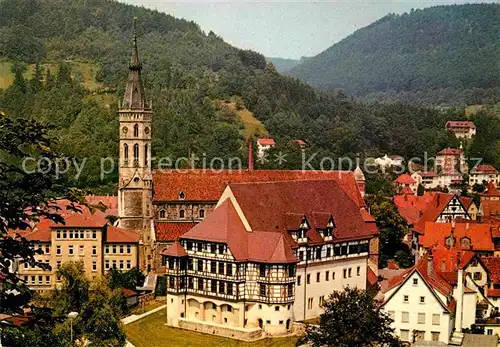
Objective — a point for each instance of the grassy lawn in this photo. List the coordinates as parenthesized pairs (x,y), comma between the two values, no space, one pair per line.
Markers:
(252,125)
(152,332)
(150,306)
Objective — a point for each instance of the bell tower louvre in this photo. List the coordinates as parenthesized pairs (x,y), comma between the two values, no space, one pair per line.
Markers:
(135,179)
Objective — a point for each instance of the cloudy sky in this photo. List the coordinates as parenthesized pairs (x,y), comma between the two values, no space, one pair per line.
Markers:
(287,29)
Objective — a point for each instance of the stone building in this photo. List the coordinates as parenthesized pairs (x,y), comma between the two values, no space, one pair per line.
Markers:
(268,255)
(86,237)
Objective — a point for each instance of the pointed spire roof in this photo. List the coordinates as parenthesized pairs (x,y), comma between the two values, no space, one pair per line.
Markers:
(358,174)
(134,97)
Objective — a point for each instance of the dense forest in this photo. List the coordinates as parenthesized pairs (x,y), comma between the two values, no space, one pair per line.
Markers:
(440,55)
(186,72)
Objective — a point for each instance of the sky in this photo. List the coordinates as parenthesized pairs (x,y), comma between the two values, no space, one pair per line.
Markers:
(286,29)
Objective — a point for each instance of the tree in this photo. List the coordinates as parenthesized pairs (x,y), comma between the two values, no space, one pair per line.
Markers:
(129,279)
(391,225)
(74,291)
(351,318)
(420,190)
(36,81)
(26,196)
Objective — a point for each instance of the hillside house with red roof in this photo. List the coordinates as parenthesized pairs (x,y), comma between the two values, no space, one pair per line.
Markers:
(85,236)
(268,255)
(484,174)
(405,184)
(425,306)
(461,129)
(263,145)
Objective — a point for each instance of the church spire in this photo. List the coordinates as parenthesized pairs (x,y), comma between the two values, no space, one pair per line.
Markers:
(134,97)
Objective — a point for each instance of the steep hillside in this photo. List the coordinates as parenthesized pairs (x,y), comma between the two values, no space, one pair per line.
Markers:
(283,65)
(68,66)
(443,54)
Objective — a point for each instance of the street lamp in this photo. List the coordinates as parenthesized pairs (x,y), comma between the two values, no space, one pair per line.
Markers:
(71,316)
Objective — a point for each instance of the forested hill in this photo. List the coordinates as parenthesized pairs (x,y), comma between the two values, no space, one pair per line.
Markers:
(442,55)
(69,64)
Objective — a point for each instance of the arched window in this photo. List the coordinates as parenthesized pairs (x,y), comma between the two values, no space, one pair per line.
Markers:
(162,214)
(202,213)
(136,130)
(182,214)
(146,154)
(125,152)
(136,152)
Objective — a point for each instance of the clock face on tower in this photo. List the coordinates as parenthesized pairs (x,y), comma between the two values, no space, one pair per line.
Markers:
(124,129)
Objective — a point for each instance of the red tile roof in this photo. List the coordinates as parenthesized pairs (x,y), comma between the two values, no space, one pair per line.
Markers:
(300,142)
(110,201)
(266,205)
(494,293)
(406,191)
(450,151)
(460,124)
(128,292)
(493,266)
(208,185)
(479,234)
(224,225)
(423,208)
(492,191)
(170,231)
(175,250)
(466,201)
(450,260)
(484,169)
(433,279)
(428,174)
(404,179)
(266,142)
(119,235)
(490,208)
(371,278)
(433,210)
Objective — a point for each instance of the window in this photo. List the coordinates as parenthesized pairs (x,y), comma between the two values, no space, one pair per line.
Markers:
(71,234)
(200,247)
(221,268)
(58,236)
(200,265)
(318,275)
(406,298)
(405,317)
(229,269)
(415,281)
(301,256)
(333,275)
(298,280)
(47,279)
(70,249)
(94,250)
(40,279)
(489,332)
(276,308)
(262,290)
(121,249)
(350,272)
(230,289)
(405,335)
(58,250)
(82,250)
(435,336)
(182,214)
(308,279)
(327,275)
(146,154)
(222,287)
(136,130)
(129,264)
(94,266)
(82,234)
(358,271)
(318,253)
(114,249)
(213,287)
(47,249)
(310,303)
(221,249)
(129,249)
(162,214)
(200,284)
(201,213)
(58,264)
(106,264)
(262,270)
(121,264)
(321,300)
(213,267)
(290,291)
(436,317)
(345,273)
(477,276)
(107,249)
(392,315)
(421,318)
(76,234)
(136,153)
(422,299)
(328,252)
(190,283)
(94,235)
(114,264)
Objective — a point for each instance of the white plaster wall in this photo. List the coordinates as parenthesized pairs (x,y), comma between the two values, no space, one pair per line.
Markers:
(469,310)
(324,288)
(413,307)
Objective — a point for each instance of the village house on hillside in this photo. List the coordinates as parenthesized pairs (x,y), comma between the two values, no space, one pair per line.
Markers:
(484,174)
(461,129)
(263,145)
(266,257)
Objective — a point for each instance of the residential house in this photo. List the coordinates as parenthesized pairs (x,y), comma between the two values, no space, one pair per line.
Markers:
(405,184)
(263,145)
(85,236)
(461,129)
(268,255)
(484,174)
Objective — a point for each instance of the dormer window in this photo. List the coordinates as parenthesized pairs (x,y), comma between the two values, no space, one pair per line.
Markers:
(301,233)
(465,242)
(162,214)
(182,214)
(182,196)
(202,213)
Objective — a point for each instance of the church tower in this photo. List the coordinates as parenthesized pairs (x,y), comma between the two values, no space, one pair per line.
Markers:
(135,179)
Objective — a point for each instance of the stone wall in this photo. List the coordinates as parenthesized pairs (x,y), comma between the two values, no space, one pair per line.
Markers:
(191,210)
(215,329)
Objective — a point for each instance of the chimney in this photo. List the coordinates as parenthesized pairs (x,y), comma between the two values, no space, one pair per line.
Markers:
(250,154)
(429,263)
